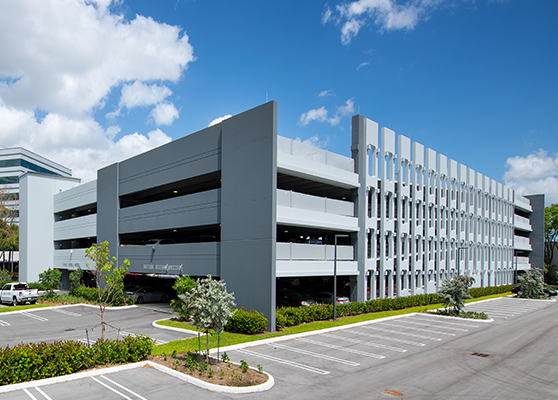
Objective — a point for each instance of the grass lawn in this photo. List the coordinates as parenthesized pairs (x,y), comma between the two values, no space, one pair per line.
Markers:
(229,339)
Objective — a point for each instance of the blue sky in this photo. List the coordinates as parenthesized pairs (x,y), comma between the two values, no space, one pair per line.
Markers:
(474,80)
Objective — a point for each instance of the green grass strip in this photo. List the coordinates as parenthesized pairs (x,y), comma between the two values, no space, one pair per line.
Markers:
(229,339)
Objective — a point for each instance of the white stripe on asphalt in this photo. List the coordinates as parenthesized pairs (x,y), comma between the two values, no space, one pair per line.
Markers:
(122,387)
(42,393)
(334,346)
(445,322)
(286,362)
(418,329)
(59,310)
(422,323)
(312,354)
(38,318)
(110,388)
(388,338)
(371,344)
(4,323)
(28,393)
(401,333)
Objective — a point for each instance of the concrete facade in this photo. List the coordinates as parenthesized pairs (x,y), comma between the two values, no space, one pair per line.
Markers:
(239,202)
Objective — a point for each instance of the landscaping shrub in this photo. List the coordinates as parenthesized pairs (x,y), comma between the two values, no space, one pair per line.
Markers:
(249,322)
(46,360)
(291,316)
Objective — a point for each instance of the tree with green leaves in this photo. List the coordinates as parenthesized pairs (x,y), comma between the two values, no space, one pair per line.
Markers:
(455,291)
(50,280)
(550,232)
(183,285)
(9,231)
(75,279)
(211,307)
(109,279)
(532,286)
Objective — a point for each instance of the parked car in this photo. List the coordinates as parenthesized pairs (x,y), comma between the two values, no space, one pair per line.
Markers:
(147,294)
(18,292)
(327,297)
(291,298)
(547,292)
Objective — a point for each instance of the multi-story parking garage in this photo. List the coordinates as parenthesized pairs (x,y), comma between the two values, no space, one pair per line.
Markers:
(239,202)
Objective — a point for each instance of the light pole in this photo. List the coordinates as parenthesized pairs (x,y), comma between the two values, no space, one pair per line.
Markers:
(335,276)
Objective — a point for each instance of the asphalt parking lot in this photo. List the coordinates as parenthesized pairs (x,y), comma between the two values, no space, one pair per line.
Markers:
(421,356)
(81,322)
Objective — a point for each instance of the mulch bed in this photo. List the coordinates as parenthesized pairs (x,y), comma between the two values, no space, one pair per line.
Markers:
(217,372)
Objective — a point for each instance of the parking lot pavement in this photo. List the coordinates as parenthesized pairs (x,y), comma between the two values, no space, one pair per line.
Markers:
(508,307)
(82,323)
(342,351)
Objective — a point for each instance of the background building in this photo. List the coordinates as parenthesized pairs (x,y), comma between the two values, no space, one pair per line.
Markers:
(239,202)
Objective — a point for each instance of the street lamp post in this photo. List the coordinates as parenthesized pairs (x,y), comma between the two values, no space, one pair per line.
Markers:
(335,276)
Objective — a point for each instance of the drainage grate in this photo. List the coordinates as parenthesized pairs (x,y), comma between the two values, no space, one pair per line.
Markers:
(480,354)
(392,393)
(70,329)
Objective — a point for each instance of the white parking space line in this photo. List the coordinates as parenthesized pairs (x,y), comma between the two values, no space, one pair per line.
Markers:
(28,393)
(111,389)
(123,387)
(341,348)
(401,333)
(387,338)
(431,319)
(418,329)
(60,311)
(159,341)
(42,393)
(312,354)
(37,317)
(286,362)
(4,323)
(371,344)
(436,326)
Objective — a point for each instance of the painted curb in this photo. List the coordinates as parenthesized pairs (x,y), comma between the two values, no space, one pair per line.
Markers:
(172,328)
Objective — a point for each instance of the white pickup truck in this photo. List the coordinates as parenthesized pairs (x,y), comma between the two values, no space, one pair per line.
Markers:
(18,292)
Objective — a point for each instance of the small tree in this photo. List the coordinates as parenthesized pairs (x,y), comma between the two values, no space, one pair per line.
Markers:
(5,276)
(75,279)
(550,232)
(455,291)
(107,275)
(212,307)
(532,285)
(50,280)
(183,285)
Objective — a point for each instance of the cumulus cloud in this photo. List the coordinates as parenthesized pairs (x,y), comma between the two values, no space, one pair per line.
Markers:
(164,114)
(219,120)
(534,174)
(62,58)
(314,141)
(321,114)
(385,14)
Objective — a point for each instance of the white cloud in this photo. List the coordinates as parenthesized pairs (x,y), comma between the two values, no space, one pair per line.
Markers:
(314,141)
(364,64)
(164,113)
(63,58)
(319,114)
(325,93)
(537,173)
(140,94)
(219,120)
(348,108)
(386,14)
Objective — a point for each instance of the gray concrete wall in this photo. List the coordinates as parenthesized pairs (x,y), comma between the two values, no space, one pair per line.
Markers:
(248,208)
(108,208)
(536,237)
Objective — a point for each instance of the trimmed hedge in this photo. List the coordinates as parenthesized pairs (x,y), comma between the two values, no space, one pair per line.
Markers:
(248,322)
(90,294)
(30,362)
(290,316)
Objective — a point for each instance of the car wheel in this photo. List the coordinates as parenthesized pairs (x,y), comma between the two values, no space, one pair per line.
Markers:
(520,293)
(164,298)
(14,301)
(139,300)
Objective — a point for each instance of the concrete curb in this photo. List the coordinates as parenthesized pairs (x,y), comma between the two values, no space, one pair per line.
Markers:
(67,305)
(171,328)
(186,378)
